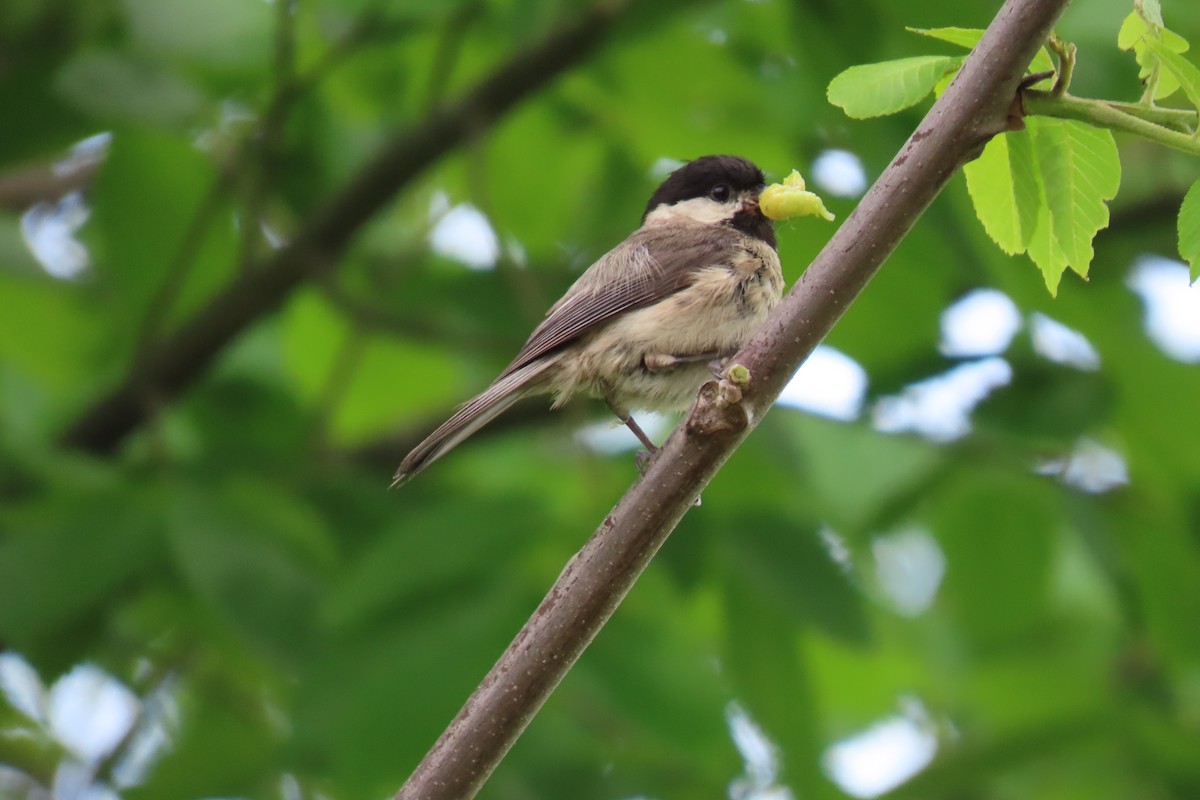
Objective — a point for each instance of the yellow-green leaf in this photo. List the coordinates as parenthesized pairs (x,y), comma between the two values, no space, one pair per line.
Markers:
(1149,10)
(1046,252)
(1185,73)
(963,37)
(1042,62)
(1173,41)
(1189,230)
(1003,184)
(1080,171)
(873,90)
(969,37)
(1133,28)
(1142,27)
(944,83)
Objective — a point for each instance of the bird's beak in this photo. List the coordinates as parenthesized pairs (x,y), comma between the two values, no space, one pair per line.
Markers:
(750,204)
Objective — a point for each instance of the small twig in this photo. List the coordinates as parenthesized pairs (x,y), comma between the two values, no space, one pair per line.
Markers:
(1065,52)
(337,381)
(285,41)
(449,47)
(372,26)
(264,139)
(1180,119)
(1108,115)
(160,305)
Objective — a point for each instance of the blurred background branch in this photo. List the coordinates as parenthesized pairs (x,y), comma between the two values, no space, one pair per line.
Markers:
(184,355)
(42,183)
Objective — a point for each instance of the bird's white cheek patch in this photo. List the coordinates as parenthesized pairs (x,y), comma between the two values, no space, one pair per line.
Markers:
(698,209)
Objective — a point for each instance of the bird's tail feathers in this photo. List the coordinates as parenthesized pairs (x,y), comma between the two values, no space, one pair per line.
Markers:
(471,416)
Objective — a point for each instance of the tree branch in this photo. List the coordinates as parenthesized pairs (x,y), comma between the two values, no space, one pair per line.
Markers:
(185,355)
(974,108)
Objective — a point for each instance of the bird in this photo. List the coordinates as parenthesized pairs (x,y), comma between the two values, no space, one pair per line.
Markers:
(645,325)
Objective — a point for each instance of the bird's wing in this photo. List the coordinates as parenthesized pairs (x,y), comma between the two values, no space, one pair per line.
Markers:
(653,263)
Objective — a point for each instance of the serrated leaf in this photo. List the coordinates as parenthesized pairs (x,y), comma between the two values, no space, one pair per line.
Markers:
(874,90)
(1080,170)
(1045,251)
(1185,73)
(969,37)
(1189,230)
(963,37)
(1003,184)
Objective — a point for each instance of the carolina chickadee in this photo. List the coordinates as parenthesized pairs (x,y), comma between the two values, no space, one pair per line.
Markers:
(640,326)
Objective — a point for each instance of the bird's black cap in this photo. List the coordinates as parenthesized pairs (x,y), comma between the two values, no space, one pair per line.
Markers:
(697,178)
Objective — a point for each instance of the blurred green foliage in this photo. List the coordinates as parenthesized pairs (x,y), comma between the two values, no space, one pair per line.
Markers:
(323,627)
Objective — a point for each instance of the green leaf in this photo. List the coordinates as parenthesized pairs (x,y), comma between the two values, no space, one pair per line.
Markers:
(1133,28)
(1174,42)
(969,37)
(313,335)
(1189,230)
(963,37)
(154,222)
(873,90)
(1145,18)
(763,667)
(240,561)
(1003,184)
(64,559)
(885,468)
(1184,72)
(792,571)
(1080,170)
(217,33)
(117,86)
(1045,250)
(944,83)
(45,331)
(996,529)
(331,362)
(1149,10)
(1042,62)
(1141,32)
(369,405)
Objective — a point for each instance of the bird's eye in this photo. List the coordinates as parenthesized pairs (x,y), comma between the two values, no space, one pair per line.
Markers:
(720,193)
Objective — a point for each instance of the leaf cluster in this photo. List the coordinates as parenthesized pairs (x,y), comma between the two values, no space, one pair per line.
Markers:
(1043,188)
